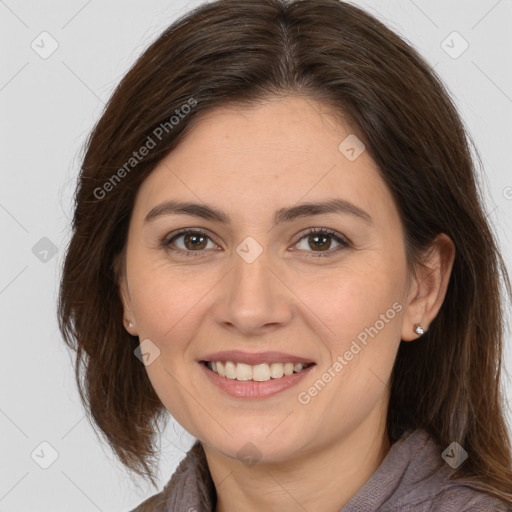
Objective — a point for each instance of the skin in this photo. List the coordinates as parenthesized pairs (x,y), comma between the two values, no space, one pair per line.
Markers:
(250,162)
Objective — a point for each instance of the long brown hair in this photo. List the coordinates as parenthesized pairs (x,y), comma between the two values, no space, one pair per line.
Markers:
(240,52)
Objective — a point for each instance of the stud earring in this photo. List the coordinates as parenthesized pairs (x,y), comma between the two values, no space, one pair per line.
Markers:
(130,324)
(418,329)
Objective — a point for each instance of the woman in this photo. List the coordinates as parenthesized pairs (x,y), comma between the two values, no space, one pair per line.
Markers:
(278,239)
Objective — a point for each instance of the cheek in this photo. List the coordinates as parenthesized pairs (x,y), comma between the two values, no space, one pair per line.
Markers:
(358,316)
(169,303)
(352,298)
(359,301)
(167,300)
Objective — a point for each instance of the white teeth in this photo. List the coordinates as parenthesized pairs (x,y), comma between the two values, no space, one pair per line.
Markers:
(259,372)
(288,368)
(230,369)
(220,369)
(243,372)
(276,370)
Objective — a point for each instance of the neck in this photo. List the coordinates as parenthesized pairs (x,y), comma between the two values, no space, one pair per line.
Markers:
(324,479)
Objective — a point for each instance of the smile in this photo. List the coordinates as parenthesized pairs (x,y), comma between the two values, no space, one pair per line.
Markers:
(259,372)
(254,381)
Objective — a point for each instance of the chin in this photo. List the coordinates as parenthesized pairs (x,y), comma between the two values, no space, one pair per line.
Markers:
(256,446)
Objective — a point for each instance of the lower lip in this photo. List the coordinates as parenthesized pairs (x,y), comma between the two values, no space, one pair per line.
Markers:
(254,389)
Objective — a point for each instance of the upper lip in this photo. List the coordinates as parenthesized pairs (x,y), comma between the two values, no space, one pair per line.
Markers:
(239,356)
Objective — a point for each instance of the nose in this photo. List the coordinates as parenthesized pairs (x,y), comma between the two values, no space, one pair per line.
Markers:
(253,298)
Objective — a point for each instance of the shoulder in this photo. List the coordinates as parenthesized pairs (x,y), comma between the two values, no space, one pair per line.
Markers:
(427,484)
(453,500)
(467,499)
(190,487)
(156,503)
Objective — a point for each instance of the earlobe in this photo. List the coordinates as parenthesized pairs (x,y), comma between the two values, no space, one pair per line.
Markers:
(128,321)
(428,288)
(418,329)
(130,327)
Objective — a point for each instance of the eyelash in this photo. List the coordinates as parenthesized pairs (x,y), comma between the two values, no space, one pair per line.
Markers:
(344,242)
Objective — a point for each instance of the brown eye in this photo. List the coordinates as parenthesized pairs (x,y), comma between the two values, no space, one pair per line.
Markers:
(189,241)
(194,241)
(321,240)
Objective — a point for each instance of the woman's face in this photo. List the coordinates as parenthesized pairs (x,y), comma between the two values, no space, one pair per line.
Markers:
(257,284)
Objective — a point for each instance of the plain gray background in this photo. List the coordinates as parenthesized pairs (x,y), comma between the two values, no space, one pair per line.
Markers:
(49,103)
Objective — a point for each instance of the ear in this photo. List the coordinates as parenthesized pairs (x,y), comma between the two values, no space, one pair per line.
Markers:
(124,293)
(428,287)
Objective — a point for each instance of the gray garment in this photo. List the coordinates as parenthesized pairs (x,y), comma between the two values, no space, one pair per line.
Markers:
(412,478)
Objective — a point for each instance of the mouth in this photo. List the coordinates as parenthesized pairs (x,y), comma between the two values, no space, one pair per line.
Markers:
(262,372)
(254,376)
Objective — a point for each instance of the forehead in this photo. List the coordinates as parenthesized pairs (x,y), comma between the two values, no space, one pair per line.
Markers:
(293,128)
(281,151)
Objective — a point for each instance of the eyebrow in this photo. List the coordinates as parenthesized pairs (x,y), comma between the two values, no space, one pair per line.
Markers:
(203,211)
